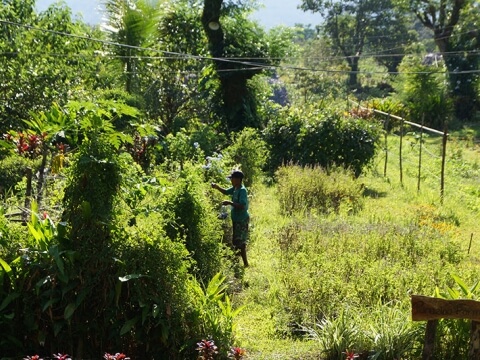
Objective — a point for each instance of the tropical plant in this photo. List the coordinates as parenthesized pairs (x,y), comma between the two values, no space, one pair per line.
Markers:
(132,25)
(424,82)
(215,313)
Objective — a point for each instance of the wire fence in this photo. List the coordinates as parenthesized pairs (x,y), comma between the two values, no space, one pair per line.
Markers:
(403,122)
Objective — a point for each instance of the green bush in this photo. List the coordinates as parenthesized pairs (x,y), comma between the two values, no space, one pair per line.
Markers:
(318,137)
(247,152)
(14,169)
(152,298)
(418,81)
(313,189)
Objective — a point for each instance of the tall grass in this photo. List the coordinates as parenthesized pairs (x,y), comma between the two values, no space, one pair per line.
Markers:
(323,281)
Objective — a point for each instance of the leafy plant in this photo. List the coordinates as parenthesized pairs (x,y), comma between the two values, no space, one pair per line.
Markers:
(316,136)
(335,334)
(215,314)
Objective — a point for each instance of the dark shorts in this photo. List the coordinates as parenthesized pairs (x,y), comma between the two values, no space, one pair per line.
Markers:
(240,233)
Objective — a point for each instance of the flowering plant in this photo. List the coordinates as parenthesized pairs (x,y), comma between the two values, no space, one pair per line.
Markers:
(236,353)
(117,356)
(206,349)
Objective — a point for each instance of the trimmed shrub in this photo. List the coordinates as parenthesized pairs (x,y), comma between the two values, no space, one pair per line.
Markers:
(315,137)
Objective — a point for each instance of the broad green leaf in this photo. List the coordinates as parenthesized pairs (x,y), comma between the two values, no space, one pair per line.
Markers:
(5,266)
(128,326)
(57,327)
(83,294)
(10,297)
(454,294)
(49,303)
(37,235)
(155,310)
(462,285)
(69,310)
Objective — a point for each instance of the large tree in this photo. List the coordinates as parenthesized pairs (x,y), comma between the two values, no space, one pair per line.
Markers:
(45,58)
(238,46)
(352,24)
(453,23)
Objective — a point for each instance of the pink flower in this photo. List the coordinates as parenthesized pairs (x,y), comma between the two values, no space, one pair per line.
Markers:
(117,356)
(62,356)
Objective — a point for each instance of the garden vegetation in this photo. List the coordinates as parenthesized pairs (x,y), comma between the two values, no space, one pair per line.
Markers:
(110,239)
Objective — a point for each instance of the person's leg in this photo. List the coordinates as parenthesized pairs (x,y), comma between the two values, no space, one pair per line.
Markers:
(243,253)
(240,235)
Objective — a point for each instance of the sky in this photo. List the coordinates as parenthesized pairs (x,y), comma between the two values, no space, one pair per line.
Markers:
(273,12)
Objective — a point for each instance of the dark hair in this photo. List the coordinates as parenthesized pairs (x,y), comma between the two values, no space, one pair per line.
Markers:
(236,174)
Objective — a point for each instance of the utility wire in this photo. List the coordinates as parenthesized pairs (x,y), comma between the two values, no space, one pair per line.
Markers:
(254,65)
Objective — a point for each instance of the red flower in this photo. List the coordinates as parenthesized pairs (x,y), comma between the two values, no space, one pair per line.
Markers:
(236,353)
(34,357)
(350,355)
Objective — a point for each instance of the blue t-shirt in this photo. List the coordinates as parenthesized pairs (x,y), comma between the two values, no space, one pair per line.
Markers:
(240,196)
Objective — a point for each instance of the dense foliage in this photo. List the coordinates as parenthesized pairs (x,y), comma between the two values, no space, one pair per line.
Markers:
(320,137)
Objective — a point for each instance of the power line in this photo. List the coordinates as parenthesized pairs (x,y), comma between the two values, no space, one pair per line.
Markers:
(252,66)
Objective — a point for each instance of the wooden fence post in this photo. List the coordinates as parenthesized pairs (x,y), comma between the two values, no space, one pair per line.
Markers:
(474,351)
(429,343)
(386,146)
(400,150)
(420,156)
(442,175)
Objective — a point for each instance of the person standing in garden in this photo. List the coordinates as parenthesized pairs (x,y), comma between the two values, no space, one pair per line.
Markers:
(239,211)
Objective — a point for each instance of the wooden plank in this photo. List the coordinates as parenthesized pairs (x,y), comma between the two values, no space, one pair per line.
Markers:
(399,118)
(429,344)
(429,308)
(474,351)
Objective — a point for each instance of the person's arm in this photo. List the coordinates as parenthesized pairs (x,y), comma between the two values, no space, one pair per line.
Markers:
(238,205)
(217,187)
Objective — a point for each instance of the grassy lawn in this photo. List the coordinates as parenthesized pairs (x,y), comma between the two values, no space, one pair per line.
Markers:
(264,327)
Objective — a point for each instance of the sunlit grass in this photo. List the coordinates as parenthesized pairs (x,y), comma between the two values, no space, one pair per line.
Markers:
(264,327)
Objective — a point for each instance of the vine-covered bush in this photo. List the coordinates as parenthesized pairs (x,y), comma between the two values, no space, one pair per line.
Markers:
(318,137)
(109,278)
(192,218)
(248,151)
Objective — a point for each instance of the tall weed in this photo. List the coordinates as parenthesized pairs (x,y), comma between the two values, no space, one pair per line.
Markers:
(316,190)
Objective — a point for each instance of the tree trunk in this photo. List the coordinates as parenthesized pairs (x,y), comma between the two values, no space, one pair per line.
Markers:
(353,77)
(239,110)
